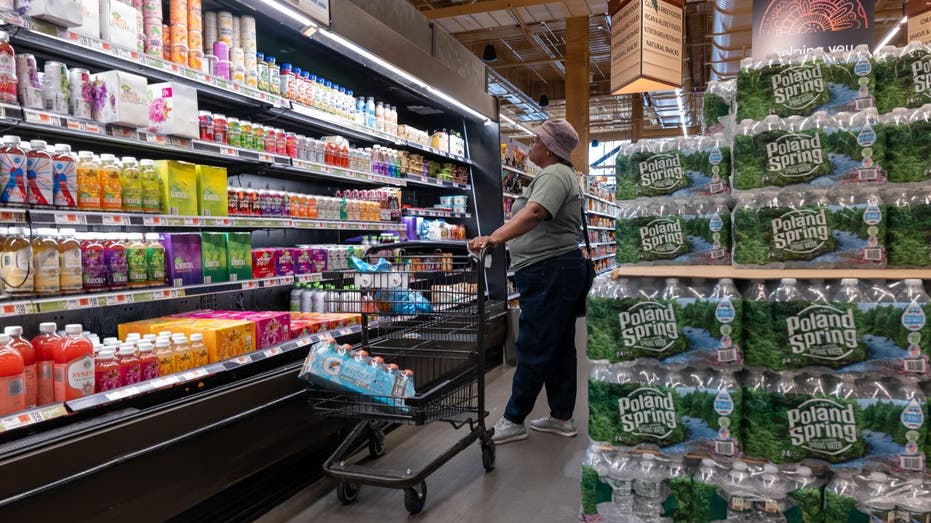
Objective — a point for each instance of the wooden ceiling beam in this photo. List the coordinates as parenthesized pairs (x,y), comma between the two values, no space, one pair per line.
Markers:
(480,7)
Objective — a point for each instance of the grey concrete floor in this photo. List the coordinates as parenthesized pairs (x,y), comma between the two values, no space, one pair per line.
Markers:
(535,480)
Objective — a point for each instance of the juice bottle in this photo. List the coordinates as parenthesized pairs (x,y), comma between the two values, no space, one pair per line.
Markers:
(73,370)
(39,179)
(8,80)
(181,353)
(90,188)
(93,263)
(130,366)
(165,357)
(151,186)
(44,346)
(199,354)
(12,172)
(111,184)
(45,262)
(25,350)
(65,177)
(131,180)
(148,361)
(12,378)
(106,371)
(16,261)
(155,259)
(69,259)
(115,260)
(137,269)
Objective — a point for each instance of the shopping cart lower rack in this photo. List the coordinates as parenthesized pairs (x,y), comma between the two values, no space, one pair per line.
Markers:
(431,314)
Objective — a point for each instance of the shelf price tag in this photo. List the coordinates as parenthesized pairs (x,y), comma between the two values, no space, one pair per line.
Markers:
(152,220)
(74,125)
(345,332)
(243,360)
(246,285)
(77,303)
(273,351)
(119,299)
(17,309)
(12,216)
(166,381)
(155,138)
(194,374)
(70,219)
(115,219)
(191,221)
(229,151)
(92,128)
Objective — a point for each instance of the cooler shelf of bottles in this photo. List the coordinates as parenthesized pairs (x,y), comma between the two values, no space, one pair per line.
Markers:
(417,179)
(435,213)
(596,198)
(142,295)
(518,171)
(723,271)
(113,219)
(37,415)
(599,213)
(79,48)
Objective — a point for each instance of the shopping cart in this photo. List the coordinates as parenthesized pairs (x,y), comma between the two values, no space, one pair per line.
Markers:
(443,344)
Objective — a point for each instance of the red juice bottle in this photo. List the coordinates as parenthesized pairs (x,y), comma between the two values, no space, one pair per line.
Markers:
(29,361)
(73,370)
(148,361)
(94,263)
(12,380)
(130,366)
(44,345)
(106,371)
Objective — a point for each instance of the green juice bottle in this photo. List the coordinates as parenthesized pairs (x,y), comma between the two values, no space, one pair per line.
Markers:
(136,260)
(155,259)
(131,179)
(150,187)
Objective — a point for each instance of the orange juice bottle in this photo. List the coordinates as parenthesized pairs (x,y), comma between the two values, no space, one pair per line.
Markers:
(69,258)
(182,353)
(200,356)
(166,359)
(112,183)
(45,262)
(89,186)
(73,370)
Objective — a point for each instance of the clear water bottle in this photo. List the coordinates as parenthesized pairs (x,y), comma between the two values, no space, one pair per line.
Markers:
(648,489)
(875,499)
(787,291)
(878,292)
(739,494)
(648,289)
(849,292)
(816,291)
(621,288)
(756,291)
(773,490)
(673,289)
(620,477)
(913,291)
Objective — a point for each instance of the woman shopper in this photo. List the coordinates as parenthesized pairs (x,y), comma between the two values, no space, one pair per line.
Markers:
(550,273)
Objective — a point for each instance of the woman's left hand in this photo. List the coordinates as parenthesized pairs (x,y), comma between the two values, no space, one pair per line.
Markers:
(480,242)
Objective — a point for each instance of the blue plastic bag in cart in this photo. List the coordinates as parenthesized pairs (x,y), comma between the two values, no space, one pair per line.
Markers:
(394,301)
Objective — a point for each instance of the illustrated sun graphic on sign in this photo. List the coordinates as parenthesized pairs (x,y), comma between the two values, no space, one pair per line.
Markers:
(813,16)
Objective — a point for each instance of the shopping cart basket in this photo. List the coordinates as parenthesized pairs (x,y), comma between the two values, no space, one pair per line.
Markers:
(427,314)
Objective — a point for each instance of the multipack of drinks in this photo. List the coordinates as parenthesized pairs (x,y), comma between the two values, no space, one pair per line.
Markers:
(909,224)
(339,367)
(690,166)
(718,106)
(693,322)
(671,231)
(877,496)
(903,76)
(816,228)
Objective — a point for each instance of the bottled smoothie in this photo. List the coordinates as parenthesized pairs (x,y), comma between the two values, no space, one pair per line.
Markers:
(130,366)
(8,80)
(45,262)
(12,379)
(12,172)
(44,346)
(112,187)
(70,279)
(148,361)
(90,189)
(151,187)
(155,259)
(165,357)
(106,371)
(199,353)
(131,180)
(115,259)
(93,263)
(73,370)
(25,349)
(15,263)
(135,260)
(65,177)
(39,179)
(182,353)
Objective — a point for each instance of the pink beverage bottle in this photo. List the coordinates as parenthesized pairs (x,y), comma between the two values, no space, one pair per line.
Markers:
(148,361)
(12,384)
(28,353)
(106,371)
(45,345)
(130,366)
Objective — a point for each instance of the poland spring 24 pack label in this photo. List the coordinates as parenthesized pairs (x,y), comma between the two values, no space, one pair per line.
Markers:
(685,167)
(675,232)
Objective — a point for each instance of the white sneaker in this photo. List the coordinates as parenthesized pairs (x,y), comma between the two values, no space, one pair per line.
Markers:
(506,431)
(554,426)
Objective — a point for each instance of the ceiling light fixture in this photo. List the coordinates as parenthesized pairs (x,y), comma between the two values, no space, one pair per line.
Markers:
(892,32)
(515,124)
(292,14)
(489,54)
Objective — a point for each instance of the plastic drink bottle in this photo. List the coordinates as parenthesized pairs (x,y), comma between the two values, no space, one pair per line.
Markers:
(151,187)
(112,186)
(70,277)
(45,263)
(131,181)
(620,476)
(136,267)
(155,259)
(12,378)
(787,291)
(295,298)
(65,177)
(181,353)
(12,172)
(200,356)
(148,361)
(815,291)
(166,361)
(45,345)
(90,187)
(106,371)
(117,267)
(93,262)
(648,488)
(25,349)
(73,370)
(16,261)
(39,178)
(130,366)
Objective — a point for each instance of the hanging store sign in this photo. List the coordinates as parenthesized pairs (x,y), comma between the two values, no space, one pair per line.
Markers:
(919,20)
(793,26)
(646,45)
(319,10)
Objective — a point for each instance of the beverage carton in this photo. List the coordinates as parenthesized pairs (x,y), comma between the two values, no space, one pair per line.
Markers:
(284,262)
(211,191)
(119,97)
(239,255)
(213,253)
(170,108)
(179,187)
(674,232)
(183,256)
(263,263)
(224,338)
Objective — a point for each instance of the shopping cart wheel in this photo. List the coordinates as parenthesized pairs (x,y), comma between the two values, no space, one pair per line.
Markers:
(347,492)
(377,444)
(414,500)
(488,456)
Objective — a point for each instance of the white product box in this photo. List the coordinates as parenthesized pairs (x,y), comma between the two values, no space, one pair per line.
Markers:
(173,110)
(91,25)
(65,13)
(118,24)
(120,98)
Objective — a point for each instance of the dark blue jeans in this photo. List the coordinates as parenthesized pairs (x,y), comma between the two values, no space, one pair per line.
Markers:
(549,291)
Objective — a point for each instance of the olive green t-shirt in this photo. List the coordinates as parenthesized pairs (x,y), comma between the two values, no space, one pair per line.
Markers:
(557,190)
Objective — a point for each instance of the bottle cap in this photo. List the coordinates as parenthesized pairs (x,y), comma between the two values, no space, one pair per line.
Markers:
(11,139)
(149,337)
(4,339)
(162,343)
(769,468)
(14,330)
(106,355)
(708,462)
(145,346)
(74,329)
(110,339)
(848,281)
(127,349)
(38,145)
(66,232)
(197,337)
(129,159)
(164,333)
(133,336)
(48,327)
(802,470)
(152,236)
(62,148)
(788,281)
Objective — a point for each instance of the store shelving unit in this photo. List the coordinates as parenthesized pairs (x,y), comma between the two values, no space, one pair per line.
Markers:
(599,208)
(104,441)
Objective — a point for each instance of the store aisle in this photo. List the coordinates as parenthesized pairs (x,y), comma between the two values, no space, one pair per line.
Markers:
(534,480)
